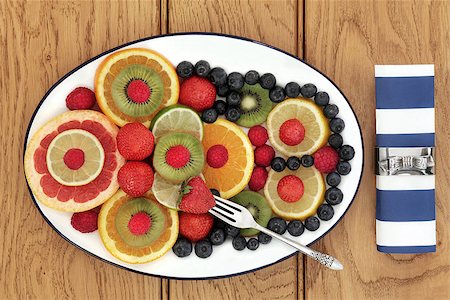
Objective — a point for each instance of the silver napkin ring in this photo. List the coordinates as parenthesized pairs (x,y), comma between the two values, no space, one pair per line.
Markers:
(405,161)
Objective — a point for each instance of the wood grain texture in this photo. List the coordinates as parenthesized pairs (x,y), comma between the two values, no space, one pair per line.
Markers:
(273,22)
(345,39)
(40,42)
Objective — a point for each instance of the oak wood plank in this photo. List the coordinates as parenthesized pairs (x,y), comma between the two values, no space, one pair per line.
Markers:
(345,39)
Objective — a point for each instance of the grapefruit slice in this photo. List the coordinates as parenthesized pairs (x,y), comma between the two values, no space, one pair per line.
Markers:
(56,183)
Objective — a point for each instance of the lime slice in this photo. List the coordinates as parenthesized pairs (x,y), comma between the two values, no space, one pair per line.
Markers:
(177,118)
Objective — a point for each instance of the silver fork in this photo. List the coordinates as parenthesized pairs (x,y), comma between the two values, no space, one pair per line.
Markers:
(238,216)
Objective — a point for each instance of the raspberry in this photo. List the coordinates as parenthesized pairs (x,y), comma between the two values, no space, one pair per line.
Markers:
(198,93)
(74,158)
(264,155)
(326,159)
(85,221)
(138,91)
(195,227)
(292,132)
(258,179)
(80,98)
(135,178)
(135,141)
(258,135)
(140,223)
(290,188)
(178,156)
(217,156)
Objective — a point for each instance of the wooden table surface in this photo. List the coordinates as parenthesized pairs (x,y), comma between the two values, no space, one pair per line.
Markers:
(41,41)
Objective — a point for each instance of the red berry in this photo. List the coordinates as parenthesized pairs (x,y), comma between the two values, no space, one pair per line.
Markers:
(290,188)
(264,155)
(140,223)
(85,221)
(258,179)
(326,159)
(258,135)
(196,198)
(217,156)
(178,156)
(135,178)
(198,93)
(195,227)
(138,91)
(292,132)
(74,158)
(135,141)
(80,98)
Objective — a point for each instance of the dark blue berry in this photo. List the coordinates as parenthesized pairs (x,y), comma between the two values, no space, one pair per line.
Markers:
(233,99)
(343,167)
(325,212)
(239,243)
(295,228)
(218,223)
(217,236)
(215,192)
(185,69)
(235,81)
(292,89)
(267,81)
(337,125)
(312,223)
(232,114)
(277,94)
(346,152)
(218,76)
(278,164)
(293,163)
(333,179)
(334,196)
(335,140)
(209,115)
(222,90)
(277,225)
(330,111)
(251,77)
(307,160)
(308,90)
(252,244)
(220,106)
(231,230)
(203,249)
(264,238)
(182,247)
(202,68)
(321,98)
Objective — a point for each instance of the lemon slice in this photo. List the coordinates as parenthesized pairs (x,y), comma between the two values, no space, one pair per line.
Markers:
(312,119)
(307,205)
(84,143)
(177,118)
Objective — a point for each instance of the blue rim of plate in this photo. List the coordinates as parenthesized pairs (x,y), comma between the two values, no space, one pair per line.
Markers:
(168,35)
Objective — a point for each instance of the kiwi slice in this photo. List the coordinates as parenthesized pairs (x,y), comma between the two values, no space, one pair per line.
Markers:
(125,103)
(255,105)
(128,210)
(192,167)
(258,207)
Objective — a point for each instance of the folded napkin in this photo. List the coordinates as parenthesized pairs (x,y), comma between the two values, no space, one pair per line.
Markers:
(405,213)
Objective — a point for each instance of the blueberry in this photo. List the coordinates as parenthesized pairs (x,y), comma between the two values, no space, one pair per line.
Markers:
(292,89)
(220,106)
(325,212)
(333,179)
(312,223)
(333,196)
(231,230)
(330,111)
(217,236)
(232,114)
(185,69)
(209,115)
(308,90)
(239,243)
(202,68)
(278,164)
(203,249)
(321,98)
(277,225)
(335,140)
(218,76)
(252,244)
(307,160)
(295,228)
(293,163)
(215,192)
(222,90)
(337,125)
(233,99)
(267,81)
(343,167)
(276,94)
(264,238)
(235,81)
(251,77)
(182,247)
(346,152)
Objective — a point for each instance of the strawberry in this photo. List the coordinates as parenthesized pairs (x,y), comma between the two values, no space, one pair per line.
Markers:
(292,132)
(135,141)
(290,188)
(217,156)
(195,196)
(135,178)
(326,159)
(195,227)
(80,98)
(258,135)
(138,91)
(198,93)
(178,156)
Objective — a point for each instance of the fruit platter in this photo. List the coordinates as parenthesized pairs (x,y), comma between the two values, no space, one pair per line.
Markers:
(125,153)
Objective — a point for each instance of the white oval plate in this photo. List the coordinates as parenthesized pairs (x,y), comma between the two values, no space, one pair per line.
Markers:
(233,54)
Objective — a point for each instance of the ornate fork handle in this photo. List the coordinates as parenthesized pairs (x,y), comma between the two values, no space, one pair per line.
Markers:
(324,259)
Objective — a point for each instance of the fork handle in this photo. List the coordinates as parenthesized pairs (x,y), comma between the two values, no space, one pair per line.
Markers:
(325,259)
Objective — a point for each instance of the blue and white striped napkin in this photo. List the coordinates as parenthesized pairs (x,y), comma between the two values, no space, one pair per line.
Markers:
(405,214)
